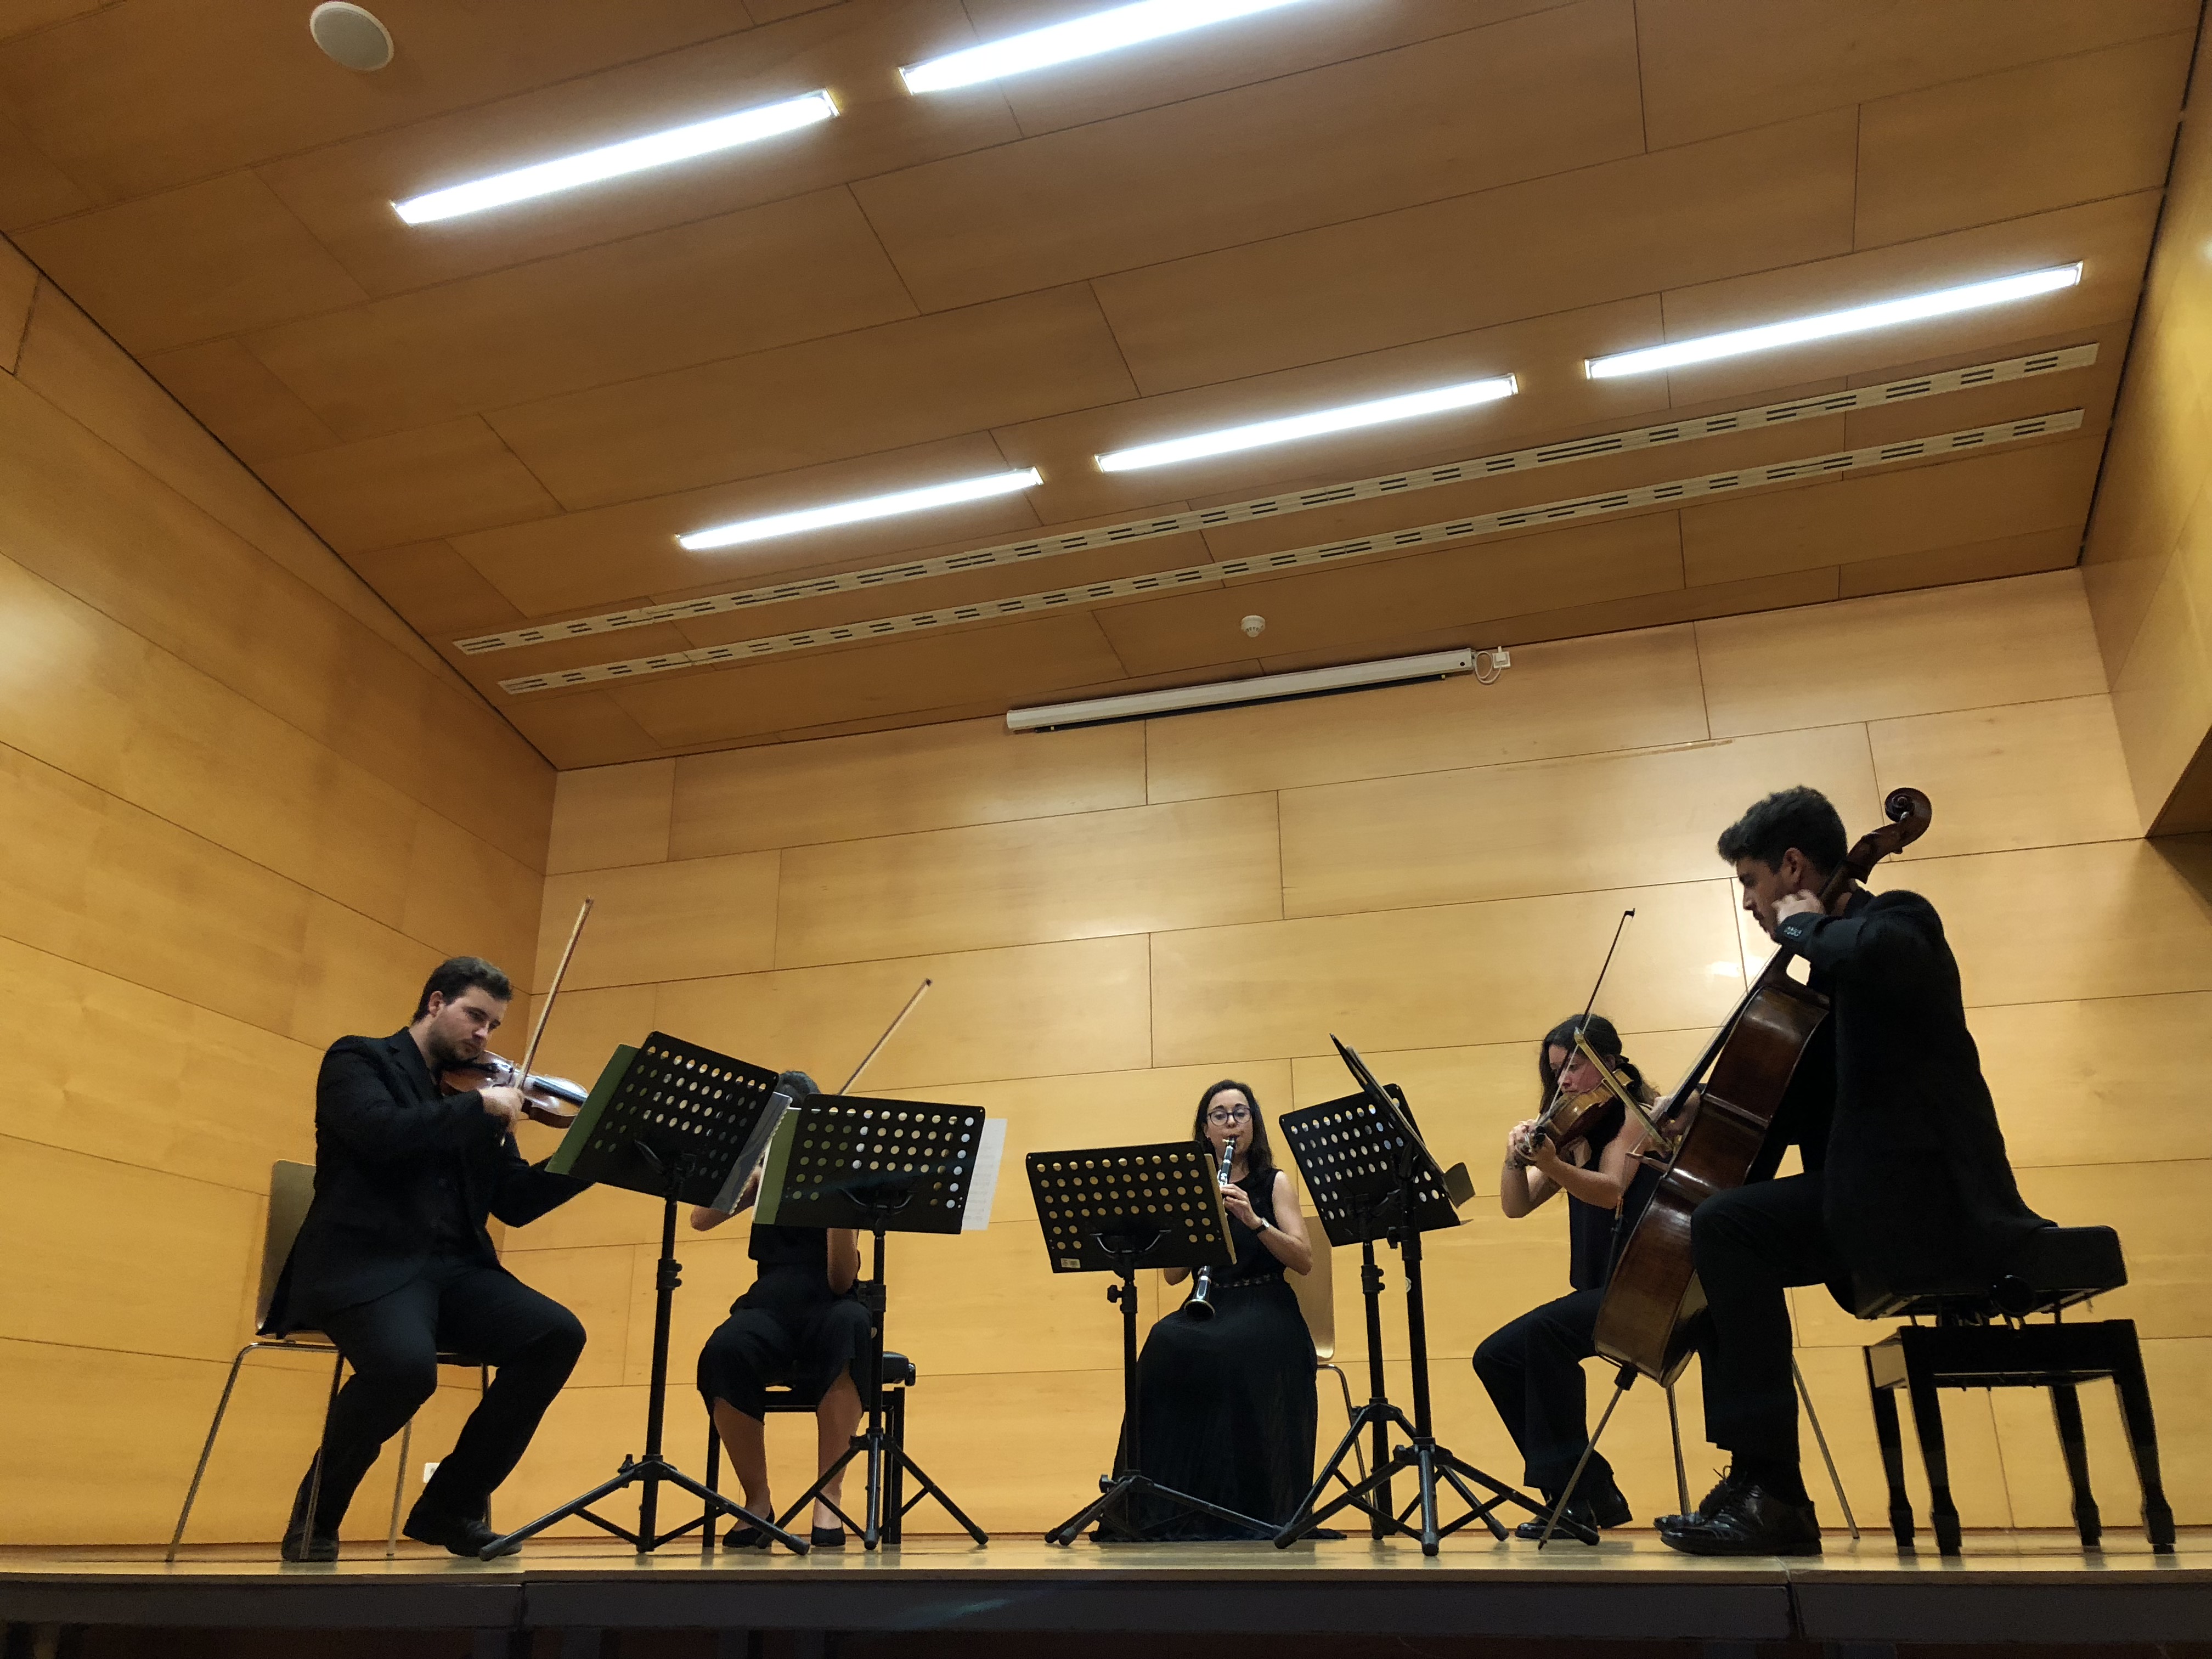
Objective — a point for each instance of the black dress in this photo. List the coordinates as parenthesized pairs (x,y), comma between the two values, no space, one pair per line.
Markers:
(1227,1404)
(789,1329)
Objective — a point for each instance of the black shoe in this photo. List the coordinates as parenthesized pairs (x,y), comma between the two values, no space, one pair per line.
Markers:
(1709,1505)
(1748,1520)
(1576,1522)
(298,1546)
(747,1537)
(463,1534)
(827,1538)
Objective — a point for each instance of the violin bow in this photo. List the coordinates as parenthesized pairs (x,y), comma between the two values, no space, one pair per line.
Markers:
(1607,1076)
(530,1054)
(889,1031)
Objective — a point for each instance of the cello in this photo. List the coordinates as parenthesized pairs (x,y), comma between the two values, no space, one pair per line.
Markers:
(1646,1320)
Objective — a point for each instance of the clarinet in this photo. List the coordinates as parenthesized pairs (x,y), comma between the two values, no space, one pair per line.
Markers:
(1201,1305)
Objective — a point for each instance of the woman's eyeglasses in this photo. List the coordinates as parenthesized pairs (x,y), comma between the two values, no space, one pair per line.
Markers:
(1239,1116)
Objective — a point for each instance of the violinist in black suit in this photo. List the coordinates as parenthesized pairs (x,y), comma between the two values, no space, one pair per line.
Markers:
(393,1263)
(1906,1178)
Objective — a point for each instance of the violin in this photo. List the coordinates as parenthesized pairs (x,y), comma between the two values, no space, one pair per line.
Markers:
(1726,1106)
(553,1100)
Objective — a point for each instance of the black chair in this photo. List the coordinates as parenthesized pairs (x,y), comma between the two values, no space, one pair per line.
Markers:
(1980,1339)
(898,1377)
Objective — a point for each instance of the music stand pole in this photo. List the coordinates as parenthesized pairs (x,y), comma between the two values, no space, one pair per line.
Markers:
(889,1462)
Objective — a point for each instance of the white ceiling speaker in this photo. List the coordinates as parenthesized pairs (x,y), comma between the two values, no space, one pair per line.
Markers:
(351,35)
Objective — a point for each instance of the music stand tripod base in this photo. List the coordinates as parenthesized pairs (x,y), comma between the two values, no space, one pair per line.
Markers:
(1115,1209)
(666,1118)
(1371,1179)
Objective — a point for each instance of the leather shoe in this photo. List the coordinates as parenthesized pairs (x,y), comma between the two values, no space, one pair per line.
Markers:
(299,1546)
(827,1538)
(463,1534)
(1747,1520)
(1604,1507)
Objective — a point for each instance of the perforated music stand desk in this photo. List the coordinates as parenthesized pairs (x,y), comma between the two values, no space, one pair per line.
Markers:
(878,1166)
(675,1120)
(1115,1209)
(1371,1178)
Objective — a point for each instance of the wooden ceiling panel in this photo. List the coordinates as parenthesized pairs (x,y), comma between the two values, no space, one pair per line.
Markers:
(1605,233)
(343,192)
(1975,562)
(2042,485)
(213,258)
(2044,136)
(2110,238)
(32,188)
(875,389)
(1613,559)
(435,589)
(237,398)
(1534,96)
(1188,66)
(21,16)
(413,487)
(140,97)
(1544,353)
(579,728)
(744,282)
(606,557)
(19,287)
(1715,66)
(1011,662)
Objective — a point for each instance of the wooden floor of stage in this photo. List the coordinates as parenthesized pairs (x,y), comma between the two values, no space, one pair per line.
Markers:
(2018,1587)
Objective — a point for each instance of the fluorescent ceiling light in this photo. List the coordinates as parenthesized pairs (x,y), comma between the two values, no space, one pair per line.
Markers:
(613,160)
(1889,313)
(874,506)
(1313,425)
(1083,37)
(1267,688)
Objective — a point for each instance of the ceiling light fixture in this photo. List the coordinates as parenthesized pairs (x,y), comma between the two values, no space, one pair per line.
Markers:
(614,161)
(1942,302)
(1083,37)
(1346,418)
(873,507)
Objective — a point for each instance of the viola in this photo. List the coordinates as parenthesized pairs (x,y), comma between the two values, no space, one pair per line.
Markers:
(1724,1108)
(554,1101)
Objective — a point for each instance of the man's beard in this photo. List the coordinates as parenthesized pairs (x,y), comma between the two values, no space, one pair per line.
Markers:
(447,1054)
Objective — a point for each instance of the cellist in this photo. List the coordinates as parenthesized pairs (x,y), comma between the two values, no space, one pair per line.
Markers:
(1905,1180)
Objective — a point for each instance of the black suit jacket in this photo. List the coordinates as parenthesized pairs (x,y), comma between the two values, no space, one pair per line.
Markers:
(1918,1189)
(391,1158)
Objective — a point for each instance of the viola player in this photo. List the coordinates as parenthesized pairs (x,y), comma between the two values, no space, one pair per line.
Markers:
(1905,1179)
(393,1264)
(1532,1367)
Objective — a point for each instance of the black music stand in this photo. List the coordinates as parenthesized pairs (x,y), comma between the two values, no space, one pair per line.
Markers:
(1371,1178)
(880,1166)
(1115,1209)
(671,1119)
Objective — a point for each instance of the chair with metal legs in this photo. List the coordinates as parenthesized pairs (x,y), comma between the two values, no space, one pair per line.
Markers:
(291,1189)
(1317,1293)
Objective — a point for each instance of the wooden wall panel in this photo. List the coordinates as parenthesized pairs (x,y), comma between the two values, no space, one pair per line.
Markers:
(1994,769)
(664,921)
(612,814)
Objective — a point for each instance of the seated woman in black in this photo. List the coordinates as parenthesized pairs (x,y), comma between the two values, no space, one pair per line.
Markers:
(1533,1367)
(1227,1403)
(800,1325)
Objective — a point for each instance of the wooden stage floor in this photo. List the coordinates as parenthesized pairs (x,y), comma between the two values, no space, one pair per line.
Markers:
(2014,1587)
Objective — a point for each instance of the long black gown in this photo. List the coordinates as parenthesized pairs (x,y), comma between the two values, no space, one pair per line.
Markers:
(1227,1404)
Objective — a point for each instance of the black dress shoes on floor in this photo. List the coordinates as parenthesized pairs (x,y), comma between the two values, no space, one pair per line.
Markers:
(1744,1519)
(463,1534)
(1605,1507)
(827,1538)
(299,1546)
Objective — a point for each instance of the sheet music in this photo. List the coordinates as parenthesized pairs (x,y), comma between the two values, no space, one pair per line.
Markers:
(984,1184)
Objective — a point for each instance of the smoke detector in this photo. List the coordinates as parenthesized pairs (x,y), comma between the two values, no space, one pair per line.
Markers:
(1253,626)
(351,35)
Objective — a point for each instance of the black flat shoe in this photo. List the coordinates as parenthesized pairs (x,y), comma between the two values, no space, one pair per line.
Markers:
(298,1546)
(1748,1520)
(827,1538)
(747,1537)
(462,1535)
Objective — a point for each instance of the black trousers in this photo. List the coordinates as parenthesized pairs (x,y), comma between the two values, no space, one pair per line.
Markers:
(1532,1369)
(1751,1244)
(529,1340)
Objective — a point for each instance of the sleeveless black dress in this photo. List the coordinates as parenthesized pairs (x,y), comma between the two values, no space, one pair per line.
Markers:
(789,1329)
(1227,1404)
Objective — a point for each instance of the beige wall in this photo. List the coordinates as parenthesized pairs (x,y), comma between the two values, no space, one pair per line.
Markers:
(2148,560)
(1116,917)
(245,811)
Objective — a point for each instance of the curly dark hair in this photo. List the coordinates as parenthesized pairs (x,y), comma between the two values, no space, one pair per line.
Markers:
(1799,818)
(458,973)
